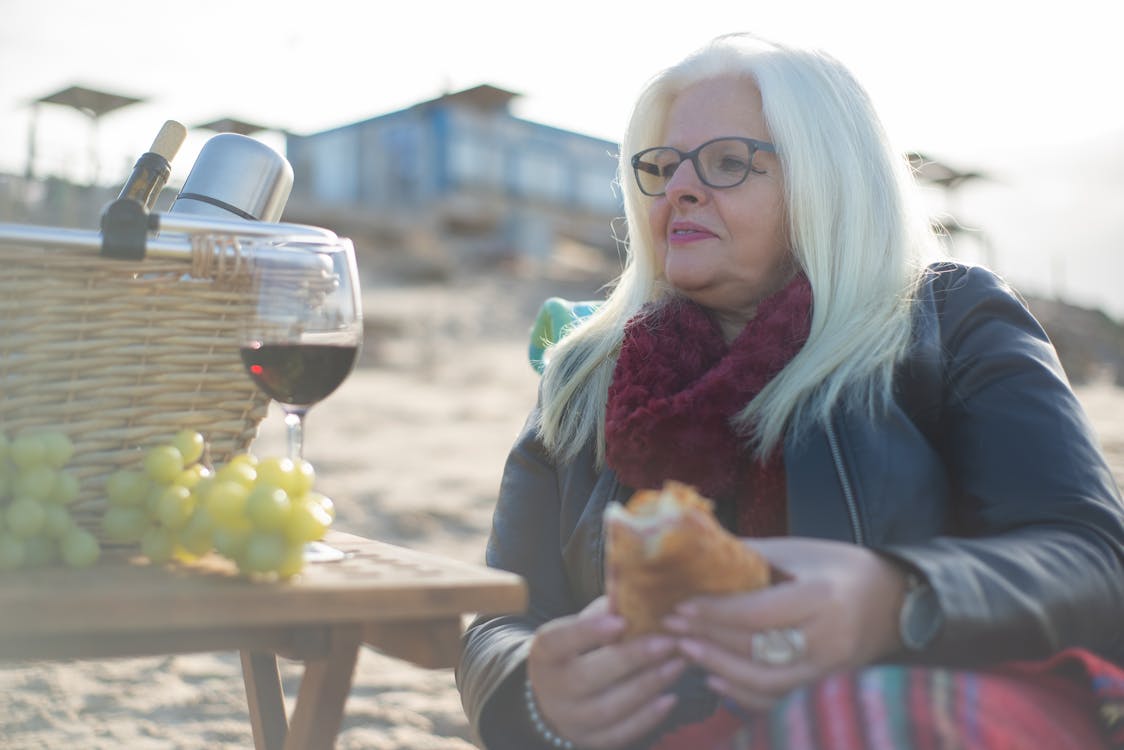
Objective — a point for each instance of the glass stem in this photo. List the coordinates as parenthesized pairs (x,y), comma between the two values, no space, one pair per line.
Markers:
(294,421)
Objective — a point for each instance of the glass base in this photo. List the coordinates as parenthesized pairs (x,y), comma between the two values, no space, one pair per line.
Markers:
(320,552)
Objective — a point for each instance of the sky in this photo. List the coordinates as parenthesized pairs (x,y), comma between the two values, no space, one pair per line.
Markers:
(1027,93)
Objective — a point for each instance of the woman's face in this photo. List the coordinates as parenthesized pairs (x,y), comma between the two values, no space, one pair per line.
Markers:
(725,248)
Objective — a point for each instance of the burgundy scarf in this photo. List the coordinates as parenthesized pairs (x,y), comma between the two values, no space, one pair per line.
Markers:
(676,386)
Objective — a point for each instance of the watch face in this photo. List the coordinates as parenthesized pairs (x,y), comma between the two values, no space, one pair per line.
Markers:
(921,617)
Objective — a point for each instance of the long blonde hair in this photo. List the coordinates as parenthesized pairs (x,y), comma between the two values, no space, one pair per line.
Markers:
(852,230)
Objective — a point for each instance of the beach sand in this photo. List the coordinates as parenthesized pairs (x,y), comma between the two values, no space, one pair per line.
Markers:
(411,448)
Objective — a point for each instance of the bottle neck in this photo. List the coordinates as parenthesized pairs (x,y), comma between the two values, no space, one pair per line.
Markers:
(149,175)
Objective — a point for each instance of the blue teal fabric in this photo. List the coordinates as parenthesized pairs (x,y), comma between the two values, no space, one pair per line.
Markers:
(556,316)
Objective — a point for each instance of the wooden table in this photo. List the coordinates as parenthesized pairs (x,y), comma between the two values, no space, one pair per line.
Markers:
(402,602)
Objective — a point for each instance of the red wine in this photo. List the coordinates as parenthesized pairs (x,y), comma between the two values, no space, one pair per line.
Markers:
(298,374)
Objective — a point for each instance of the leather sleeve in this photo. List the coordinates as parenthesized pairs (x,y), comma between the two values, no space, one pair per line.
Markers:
(1037,564)
(525,539)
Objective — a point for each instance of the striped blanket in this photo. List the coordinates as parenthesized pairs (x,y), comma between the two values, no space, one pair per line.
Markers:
(1073,701)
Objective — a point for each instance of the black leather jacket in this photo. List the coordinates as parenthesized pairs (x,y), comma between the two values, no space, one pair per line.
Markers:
(985,476)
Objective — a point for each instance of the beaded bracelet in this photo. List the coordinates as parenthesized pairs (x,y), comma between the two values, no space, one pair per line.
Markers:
(545,732)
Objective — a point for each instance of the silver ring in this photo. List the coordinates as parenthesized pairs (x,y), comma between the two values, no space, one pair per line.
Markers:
(778,648)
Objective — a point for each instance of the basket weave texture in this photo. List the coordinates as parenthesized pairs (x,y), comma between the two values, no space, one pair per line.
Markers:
(120,355)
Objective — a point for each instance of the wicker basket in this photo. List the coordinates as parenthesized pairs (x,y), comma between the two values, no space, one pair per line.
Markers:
(120,355)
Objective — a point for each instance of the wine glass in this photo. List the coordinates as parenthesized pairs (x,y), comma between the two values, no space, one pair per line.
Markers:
(302,338)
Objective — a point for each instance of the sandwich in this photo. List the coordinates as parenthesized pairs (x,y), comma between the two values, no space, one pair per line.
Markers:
(664,546)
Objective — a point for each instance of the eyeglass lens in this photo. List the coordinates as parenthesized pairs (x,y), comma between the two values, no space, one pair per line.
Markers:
(720,163)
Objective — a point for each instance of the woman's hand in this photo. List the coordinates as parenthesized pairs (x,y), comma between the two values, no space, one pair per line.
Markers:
(594,690)
(842,598)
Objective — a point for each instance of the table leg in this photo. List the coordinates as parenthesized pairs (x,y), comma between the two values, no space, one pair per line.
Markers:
(266,700)
(324,689)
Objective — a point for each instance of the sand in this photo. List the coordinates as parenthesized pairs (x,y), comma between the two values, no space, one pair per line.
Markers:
(411,448)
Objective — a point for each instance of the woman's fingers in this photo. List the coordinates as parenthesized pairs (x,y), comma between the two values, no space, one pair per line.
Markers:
(590,654)
(730,622)
(837,609)
(778,606)
(629,709)
(566,638)
(631,726)
(599,671)
(750,684)
(594,688)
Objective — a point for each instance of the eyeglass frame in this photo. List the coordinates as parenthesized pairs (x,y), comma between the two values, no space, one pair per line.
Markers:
(754,144)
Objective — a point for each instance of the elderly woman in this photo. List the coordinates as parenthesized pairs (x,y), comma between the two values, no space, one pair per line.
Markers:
(900,439)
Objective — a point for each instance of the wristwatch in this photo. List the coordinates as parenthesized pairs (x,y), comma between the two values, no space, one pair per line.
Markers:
(921,618)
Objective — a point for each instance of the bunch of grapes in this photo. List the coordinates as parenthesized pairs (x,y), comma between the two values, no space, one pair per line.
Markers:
(263,512)
(259,513)
(151,505)
(36,490)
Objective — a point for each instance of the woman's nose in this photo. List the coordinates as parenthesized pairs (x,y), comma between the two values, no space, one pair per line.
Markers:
(684,184)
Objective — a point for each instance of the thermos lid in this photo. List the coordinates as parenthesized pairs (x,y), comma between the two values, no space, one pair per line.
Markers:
(235,175)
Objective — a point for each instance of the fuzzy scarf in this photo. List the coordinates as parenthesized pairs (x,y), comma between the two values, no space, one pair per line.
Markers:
(677,385)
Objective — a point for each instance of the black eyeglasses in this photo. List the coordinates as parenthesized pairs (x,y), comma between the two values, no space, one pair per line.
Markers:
(719,163)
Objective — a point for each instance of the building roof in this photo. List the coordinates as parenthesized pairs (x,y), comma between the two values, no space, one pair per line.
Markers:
(90,102)
(483,97)
(233,125)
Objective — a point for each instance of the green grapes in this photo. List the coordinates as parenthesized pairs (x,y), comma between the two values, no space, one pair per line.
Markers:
(79,548)
(36,482)
(190,444)
(257,512)
(27,451)
(171,503)
(163,464)
(66,488)
(292,562)
(196,536)
(175,506)
(57,449)
(157,544)
(193,475)
(152,504)
(264,553)
(39,551)
(230,541)
(126,488)
(262,512)
(240,471)
(268,507)
(226,502)
(12,551)
(25,517)
(124,524)
(56,522)
(307,521)
(36,527)
(278,472)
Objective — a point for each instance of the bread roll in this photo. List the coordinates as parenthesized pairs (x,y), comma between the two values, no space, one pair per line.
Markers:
(665,546)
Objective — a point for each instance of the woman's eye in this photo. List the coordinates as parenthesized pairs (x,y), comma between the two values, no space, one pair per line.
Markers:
(733,165)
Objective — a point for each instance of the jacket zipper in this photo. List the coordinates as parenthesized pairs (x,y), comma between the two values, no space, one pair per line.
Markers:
(845,483)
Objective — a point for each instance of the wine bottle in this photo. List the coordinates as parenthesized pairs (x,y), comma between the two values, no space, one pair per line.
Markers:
(153,168)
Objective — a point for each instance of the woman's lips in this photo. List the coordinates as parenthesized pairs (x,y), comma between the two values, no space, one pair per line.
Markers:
(685,232)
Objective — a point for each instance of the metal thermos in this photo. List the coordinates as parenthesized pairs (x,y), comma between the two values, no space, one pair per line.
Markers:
(236,177)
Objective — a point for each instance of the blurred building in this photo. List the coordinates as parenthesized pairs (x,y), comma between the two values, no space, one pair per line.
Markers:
(458,179)
(447,183)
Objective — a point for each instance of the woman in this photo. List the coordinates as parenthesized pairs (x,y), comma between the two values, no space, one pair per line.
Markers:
(901,440)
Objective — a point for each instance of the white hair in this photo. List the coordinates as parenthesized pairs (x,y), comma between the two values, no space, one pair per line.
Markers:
(852,229)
